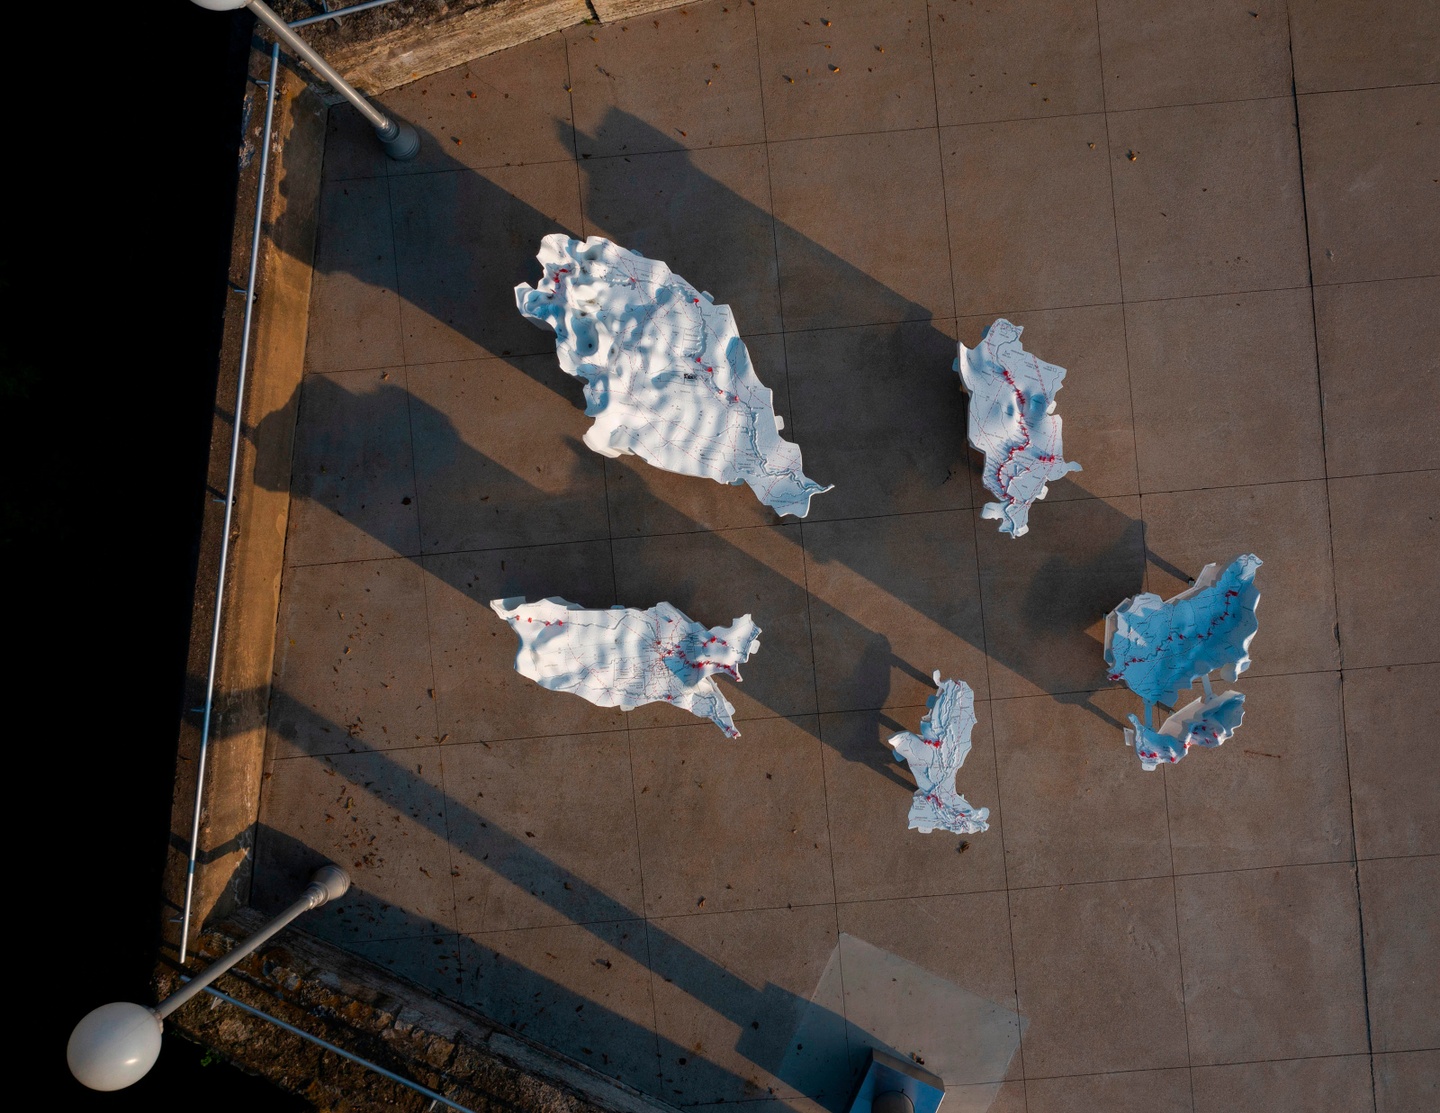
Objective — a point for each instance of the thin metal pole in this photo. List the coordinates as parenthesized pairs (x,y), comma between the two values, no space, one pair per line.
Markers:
(229,501)
(304,1035)
(329,882)
(378,120)
(338,12)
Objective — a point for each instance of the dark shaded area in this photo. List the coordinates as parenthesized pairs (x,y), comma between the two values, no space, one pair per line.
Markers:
(122,177)
(462,240)
(513,994)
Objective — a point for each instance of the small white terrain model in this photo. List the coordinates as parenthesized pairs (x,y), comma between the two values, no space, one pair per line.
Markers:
(1161,647)
(1012,420)
(667,377)
(622,657)
(935,755)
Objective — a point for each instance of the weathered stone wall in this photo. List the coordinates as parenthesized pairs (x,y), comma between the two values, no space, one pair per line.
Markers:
(388,46)
(383,1019)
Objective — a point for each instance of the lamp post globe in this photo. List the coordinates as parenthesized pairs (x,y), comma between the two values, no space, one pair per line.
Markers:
(114,1046)
(221,5)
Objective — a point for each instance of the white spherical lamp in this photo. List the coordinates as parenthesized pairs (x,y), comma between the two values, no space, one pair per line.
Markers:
(114,1046)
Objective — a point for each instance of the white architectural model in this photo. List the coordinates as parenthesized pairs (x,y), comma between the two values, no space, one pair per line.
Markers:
(666,375)
(623,657)
(1012,420)
(1161,647)
(935,755)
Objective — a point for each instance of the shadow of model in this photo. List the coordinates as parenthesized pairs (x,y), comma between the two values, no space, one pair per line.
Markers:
(510,992)
(462,240)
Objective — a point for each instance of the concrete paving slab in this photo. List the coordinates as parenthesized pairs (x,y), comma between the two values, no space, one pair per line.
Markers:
(1282,799)
(1370,172)
(705,213)
(1195,54)
(352,660)
(1144,1091)
(851,389)
(1406,1081)
(1085,951)
(1203,416)
(509,108)
(464,240)
(666,82)
(861,67)
(1260,945)
(382,816)
(1390,327)
(730,989)
(962,943)
(1396,813)
(858,222)
(874,854)
(354,308)
(735,824)
(1211,202)
(585,989)
(1363,44)
(499,460)
(432,962)
(543,831)
(353,484)
(1046,595)
(1339,1082)
(350,148)
(1075,811)
(1386,541)
(1400,908)
(883,620)
(1013,61)
(1033,221)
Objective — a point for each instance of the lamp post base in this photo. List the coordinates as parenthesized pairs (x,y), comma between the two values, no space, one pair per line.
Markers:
(400,140)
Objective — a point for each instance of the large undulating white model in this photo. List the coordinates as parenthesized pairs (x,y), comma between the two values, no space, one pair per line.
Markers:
(1161,647)
(667,377)
(935,755)
(623,657)
(1012,420)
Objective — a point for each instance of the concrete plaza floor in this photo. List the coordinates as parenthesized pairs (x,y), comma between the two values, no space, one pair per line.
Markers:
(1224,220)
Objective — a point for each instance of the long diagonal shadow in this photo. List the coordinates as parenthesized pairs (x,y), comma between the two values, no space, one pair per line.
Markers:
(284,861)
(463,238)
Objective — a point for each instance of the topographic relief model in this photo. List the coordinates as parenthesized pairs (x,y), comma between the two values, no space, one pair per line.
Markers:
(1207,721)
(935,755)
(666,375)
(622,657)
(1012,421)
(1161,647)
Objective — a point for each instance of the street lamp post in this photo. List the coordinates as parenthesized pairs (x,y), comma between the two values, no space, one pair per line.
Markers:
(115,1045)
(400,140)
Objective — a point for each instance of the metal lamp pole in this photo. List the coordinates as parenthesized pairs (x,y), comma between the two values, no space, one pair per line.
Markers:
(115,1045)
(400,140)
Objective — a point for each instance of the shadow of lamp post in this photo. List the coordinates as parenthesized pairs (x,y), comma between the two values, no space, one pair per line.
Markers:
(400,140)
(115,1045)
